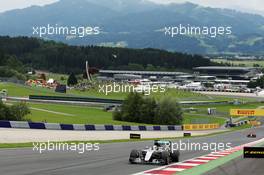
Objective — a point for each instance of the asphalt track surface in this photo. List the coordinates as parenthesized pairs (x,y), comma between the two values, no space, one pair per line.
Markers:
(111,159)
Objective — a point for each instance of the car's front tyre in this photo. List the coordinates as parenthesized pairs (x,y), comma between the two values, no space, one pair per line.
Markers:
(133,156)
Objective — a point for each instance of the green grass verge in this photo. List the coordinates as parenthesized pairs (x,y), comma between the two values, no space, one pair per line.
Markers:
(90,115)
(80,115)
(201,169)
(25,91)
(190,118)
(178,94)
(222,112)
(223,109)
(72,114)
(227,107)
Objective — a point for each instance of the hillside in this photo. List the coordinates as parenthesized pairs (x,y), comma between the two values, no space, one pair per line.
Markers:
(62,58)
(138,24)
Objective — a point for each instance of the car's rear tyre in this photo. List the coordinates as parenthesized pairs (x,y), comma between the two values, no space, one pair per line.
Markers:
(175,156)
(165,156)
(133,155)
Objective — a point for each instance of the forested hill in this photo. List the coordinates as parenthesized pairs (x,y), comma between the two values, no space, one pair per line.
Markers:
(139,24)
(62,58)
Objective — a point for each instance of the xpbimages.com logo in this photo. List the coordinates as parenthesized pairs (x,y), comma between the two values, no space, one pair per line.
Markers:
(127,88)
(210,31)
(183,145)
(80,148)
(78,31)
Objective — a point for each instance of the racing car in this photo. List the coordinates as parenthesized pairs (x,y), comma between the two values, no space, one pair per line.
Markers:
(160,153)
(252,135)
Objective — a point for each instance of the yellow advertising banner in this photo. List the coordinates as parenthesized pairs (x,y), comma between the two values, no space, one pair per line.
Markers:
(247,112)
(189,127)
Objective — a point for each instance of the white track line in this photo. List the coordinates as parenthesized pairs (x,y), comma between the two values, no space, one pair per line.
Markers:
(197,160)
(174,169)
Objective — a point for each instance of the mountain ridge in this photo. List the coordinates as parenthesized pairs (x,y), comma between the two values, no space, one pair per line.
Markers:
(121,22)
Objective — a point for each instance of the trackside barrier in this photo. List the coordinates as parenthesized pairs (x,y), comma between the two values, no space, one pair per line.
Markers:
(242,122)
(87,127)
(107,101)
(189,127)
(75,99)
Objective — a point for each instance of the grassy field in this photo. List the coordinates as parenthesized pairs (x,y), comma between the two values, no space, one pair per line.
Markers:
(87,115)
(222,112)
(25,91)
(67,114)
(178,94)
(55,113)
(246,63)
(191,118)
(224,108)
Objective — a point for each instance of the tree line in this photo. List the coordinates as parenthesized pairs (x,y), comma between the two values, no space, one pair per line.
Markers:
(16,112)
(61,58)
(256,83)
(10,66)
(140,109)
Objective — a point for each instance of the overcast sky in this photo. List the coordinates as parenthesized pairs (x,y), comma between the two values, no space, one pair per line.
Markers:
(256,6)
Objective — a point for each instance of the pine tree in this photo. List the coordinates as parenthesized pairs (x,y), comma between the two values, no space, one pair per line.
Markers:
(72,80)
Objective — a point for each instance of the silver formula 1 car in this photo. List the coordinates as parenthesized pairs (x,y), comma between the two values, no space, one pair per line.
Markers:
(160,153)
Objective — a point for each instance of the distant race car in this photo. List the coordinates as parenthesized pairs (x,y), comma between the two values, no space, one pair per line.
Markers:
(252,135)
(160,153)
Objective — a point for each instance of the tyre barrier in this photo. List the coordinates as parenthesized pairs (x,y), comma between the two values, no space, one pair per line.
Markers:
(240,123)
(87,127)
(243,122)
